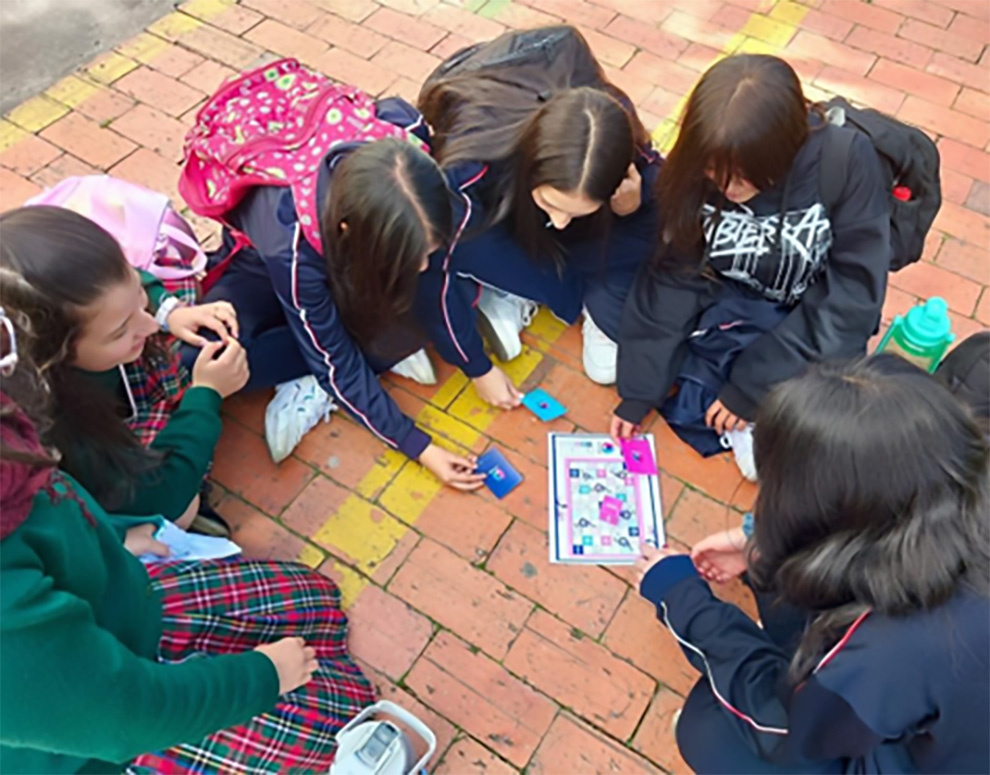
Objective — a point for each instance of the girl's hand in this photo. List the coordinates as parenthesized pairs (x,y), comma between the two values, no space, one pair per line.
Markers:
(622,429)
(629,195)
(720,419)
(141,540)
(650,557)
(722,556)
(220,317)
(451,469)
(294,661)
(227,373)
(497,389)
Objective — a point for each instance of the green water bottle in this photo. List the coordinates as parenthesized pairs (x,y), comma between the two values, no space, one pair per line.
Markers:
(922,335)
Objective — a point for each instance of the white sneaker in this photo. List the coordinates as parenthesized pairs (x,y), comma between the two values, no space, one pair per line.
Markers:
(503,317)
(416,367)
(741,444)
(294,411)
(600,354)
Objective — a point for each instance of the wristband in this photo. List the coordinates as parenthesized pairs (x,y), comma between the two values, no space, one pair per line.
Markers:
(747,525)
(165,309)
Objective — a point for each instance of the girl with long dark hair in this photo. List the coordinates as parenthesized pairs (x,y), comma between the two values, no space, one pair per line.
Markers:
(754,278)
(873,521)
(555,170)
(124,421)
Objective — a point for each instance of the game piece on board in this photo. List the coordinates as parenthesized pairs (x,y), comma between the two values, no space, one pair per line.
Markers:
(638,456)
(501,477)
(544,405)
(610,510)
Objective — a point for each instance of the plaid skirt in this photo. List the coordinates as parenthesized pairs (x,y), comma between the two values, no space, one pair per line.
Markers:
(230,606)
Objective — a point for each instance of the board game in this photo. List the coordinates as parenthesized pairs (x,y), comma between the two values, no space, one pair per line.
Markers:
(600,512)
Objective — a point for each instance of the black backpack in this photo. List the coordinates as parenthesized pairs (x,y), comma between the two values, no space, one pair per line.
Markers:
(966,372)
(908,158)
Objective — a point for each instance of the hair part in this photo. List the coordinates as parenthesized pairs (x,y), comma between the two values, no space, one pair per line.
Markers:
(873,496)
(55,263)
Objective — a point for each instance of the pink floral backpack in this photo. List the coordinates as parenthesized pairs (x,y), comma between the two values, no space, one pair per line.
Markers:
(273,126)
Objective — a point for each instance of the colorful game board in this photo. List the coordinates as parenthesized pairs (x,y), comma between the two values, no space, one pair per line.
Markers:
(600,512)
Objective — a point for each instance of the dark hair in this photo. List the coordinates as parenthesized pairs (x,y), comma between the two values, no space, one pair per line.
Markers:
(873,495)
(535,129)
(747,116)
(388,204)
(56,262)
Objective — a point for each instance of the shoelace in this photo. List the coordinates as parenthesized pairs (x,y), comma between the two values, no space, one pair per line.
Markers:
(527,312)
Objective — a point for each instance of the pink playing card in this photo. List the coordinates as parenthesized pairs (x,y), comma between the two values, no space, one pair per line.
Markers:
(610,510)
(638,456)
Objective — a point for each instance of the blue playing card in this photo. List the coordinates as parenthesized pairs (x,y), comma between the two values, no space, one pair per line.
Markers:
(544,405)
(501,477)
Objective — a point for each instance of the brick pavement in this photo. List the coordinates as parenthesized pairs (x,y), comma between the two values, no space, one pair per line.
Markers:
(518,665)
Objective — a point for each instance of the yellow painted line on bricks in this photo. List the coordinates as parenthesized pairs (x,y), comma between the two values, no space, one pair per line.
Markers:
(143,47)
(10,135)
(110,67)
(72,91)
(35,114)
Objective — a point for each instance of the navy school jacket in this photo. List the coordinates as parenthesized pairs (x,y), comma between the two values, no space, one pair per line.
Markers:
(893,695)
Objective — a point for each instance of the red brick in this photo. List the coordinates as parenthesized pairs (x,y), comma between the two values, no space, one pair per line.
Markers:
(871,16)
(900,50)
(246,408)
(608,49)
(659,41)
(897,302)
(469,757)
(983,308)
(29,155)
(589,405)
(352,10)
(655,736)
(816,47)
(234,19)
(529,500)
(175,61)
(674,77)
(584,596)
(147,168)
(243,466)
(970,27)
(469,525)
(571,746)
(955,69)
(662,103)
(345,452)
(346,35)
(387,567)
(862,90)
(105,105)
(413,7)
(208,76)
(924,10)
(88,140)
(963,224)
(521,17)
(411,62)
(286,41)
(222,46)
(580,674)
(443,729)
(153,129)
(924,280)
(973,103)
(967,260)
(482,698)
(64,166)
(318,501)
(811,20)
(978,199)
(699,57)
(944,121)
(403,27)
(686,28)
(468,601)
(295,13)
(979,10)
(941,40)
(450,45)
(635,86)
(15,190)
(153,88)
(636,634)
(386,633)
(695,517)
(475,28)
(955,186)
(909,79)
(346,67)
(260,536)
(964,158)
(732,17)
(648,11)
(577,12)
(700,9)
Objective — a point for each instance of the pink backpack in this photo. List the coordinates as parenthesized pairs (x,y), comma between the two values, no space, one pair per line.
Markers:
(152,235)
(273,126)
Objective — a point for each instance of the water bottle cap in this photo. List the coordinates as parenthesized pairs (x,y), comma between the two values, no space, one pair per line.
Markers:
(928,324)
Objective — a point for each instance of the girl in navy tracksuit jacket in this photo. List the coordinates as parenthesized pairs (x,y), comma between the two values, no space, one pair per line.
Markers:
(745,228)
(873,518)
(367,306)
(556,173)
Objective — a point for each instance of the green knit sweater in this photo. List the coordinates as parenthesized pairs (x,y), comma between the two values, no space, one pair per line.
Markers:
(80,687)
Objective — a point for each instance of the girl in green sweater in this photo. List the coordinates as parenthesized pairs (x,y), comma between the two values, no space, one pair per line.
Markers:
(102,661)
(126,424)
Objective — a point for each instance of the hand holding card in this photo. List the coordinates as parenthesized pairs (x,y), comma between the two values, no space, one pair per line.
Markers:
(501,477)
(638,456)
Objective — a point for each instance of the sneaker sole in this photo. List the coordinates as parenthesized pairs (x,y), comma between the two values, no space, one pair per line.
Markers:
(494,340)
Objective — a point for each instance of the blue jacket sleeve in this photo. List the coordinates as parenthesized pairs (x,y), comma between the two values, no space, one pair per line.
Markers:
(747,673)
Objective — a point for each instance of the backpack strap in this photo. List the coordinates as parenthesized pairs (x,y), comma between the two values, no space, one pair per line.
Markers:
(836,149)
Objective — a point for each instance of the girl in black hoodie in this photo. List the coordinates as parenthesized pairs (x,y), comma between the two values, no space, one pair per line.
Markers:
(745,227)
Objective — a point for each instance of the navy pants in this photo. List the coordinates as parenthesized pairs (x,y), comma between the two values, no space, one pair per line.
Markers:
(273,355)
(597,272)
(706,734)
